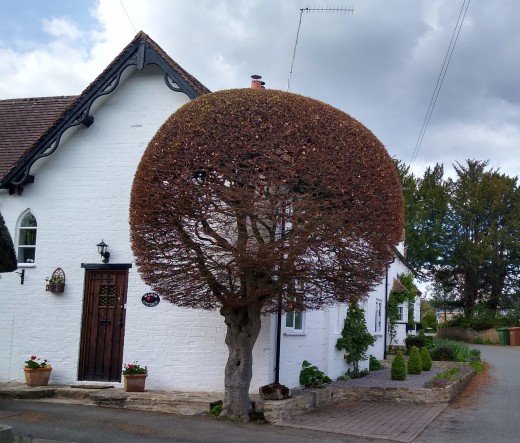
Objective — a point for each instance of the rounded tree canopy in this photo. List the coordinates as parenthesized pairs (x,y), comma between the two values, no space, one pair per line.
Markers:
(255,196)
(8,261)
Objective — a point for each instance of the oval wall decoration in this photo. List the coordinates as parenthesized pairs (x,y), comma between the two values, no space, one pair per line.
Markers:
(150,299)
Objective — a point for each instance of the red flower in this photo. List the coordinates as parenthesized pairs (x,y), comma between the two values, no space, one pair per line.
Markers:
(33,357)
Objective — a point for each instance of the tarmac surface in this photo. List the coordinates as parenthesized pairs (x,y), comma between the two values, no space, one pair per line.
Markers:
(381,420)
(492,414)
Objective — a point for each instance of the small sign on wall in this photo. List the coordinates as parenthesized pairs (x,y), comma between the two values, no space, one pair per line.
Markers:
(150,299)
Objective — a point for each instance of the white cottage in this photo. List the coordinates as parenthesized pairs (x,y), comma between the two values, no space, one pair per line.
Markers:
(66,169)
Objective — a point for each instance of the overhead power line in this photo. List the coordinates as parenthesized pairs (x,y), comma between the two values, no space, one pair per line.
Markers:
(127,16)
(308,10)
(440,78)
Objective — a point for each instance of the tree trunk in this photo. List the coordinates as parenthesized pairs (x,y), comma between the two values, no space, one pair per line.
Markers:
(243,326)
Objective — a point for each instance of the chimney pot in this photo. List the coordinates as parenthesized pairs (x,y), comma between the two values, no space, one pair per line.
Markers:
(256,82)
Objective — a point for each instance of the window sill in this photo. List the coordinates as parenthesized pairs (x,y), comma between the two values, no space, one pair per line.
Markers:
(26,265)
(294,333)
(378,334)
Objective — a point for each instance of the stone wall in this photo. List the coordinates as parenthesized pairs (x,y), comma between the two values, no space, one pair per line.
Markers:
(279,410)
(468,335)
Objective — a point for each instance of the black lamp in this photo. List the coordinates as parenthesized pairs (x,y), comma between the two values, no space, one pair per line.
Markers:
(103,251)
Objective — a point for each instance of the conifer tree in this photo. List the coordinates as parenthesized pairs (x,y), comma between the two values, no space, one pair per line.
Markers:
(398,370)
(355,338)
(426,359)
(414,362)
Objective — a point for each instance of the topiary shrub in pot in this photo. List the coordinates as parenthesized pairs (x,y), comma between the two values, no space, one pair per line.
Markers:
(414,362)
(426,360)
(274,391)
(398,371)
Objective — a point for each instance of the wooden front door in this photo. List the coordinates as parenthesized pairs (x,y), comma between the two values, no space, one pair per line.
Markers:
(103,326)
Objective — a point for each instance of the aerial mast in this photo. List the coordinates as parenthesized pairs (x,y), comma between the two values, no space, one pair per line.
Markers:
(308,10)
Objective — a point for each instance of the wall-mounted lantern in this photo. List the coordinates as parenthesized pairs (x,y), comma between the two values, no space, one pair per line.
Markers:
(103,251)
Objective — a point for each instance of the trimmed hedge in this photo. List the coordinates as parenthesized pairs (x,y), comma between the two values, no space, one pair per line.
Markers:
(443,353)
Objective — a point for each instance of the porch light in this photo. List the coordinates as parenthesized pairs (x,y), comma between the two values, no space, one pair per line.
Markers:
(103,251)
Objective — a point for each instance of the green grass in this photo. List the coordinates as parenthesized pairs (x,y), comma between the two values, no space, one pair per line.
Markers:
(449,374)
(477,366)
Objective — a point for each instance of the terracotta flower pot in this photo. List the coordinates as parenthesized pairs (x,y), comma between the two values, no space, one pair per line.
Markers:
(135,383)
(37,376)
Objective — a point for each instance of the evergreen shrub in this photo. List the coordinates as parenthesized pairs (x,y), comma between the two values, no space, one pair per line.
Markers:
(398,371)
(420,341)
(426,359)
(312,377)
(414,362)
(374,364)
(443,353)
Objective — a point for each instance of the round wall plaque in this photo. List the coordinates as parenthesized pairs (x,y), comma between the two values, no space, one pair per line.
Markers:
(150,299)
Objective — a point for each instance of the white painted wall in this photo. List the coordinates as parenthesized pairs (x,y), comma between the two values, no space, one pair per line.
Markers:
(81,195)
(317,343)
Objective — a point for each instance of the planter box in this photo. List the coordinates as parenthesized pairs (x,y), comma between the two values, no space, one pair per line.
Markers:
(37,376)
(135,383)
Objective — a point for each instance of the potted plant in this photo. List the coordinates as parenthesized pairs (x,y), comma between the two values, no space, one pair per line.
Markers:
(134,377)
(37,372)
(56,282)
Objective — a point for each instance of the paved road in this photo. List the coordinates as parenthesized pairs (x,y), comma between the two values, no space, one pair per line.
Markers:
(494,416)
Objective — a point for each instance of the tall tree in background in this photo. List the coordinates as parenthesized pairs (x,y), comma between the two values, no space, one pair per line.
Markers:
(426,206)
(483,242)
(241,193)
(464,232)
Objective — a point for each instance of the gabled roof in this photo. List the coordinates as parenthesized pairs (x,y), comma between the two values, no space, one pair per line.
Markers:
(31,128)
(22,123)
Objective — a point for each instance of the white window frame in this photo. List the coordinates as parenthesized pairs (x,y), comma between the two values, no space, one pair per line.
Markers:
(292,325)
(400,313)
(294,319)
(20,233)
(378,317)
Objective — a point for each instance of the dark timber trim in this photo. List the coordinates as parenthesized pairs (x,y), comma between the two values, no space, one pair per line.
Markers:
(142,51)
(106,267)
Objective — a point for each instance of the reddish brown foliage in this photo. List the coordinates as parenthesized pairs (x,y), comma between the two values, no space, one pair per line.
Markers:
(242,192)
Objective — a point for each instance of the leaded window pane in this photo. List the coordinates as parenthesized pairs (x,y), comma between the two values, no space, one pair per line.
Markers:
(29,221)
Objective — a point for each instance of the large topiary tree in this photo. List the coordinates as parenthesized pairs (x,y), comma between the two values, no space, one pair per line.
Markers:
(242,193)
(8,261)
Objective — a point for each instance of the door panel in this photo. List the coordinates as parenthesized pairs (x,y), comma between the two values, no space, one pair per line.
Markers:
(102,334)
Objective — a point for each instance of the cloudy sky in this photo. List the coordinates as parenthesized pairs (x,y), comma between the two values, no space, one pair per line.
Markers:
(379,64)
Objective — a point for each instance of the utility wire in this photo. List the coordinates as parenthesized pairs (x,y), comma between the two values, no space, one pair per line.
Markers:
(129,19)
(440,78)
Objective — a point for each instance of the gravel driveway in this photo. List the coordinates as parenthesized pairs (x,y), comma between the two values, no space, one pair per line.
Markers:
(383,379)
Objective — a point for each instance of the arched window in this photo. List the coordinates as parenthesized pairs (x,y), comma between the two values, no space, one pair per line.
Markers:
(27,238)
